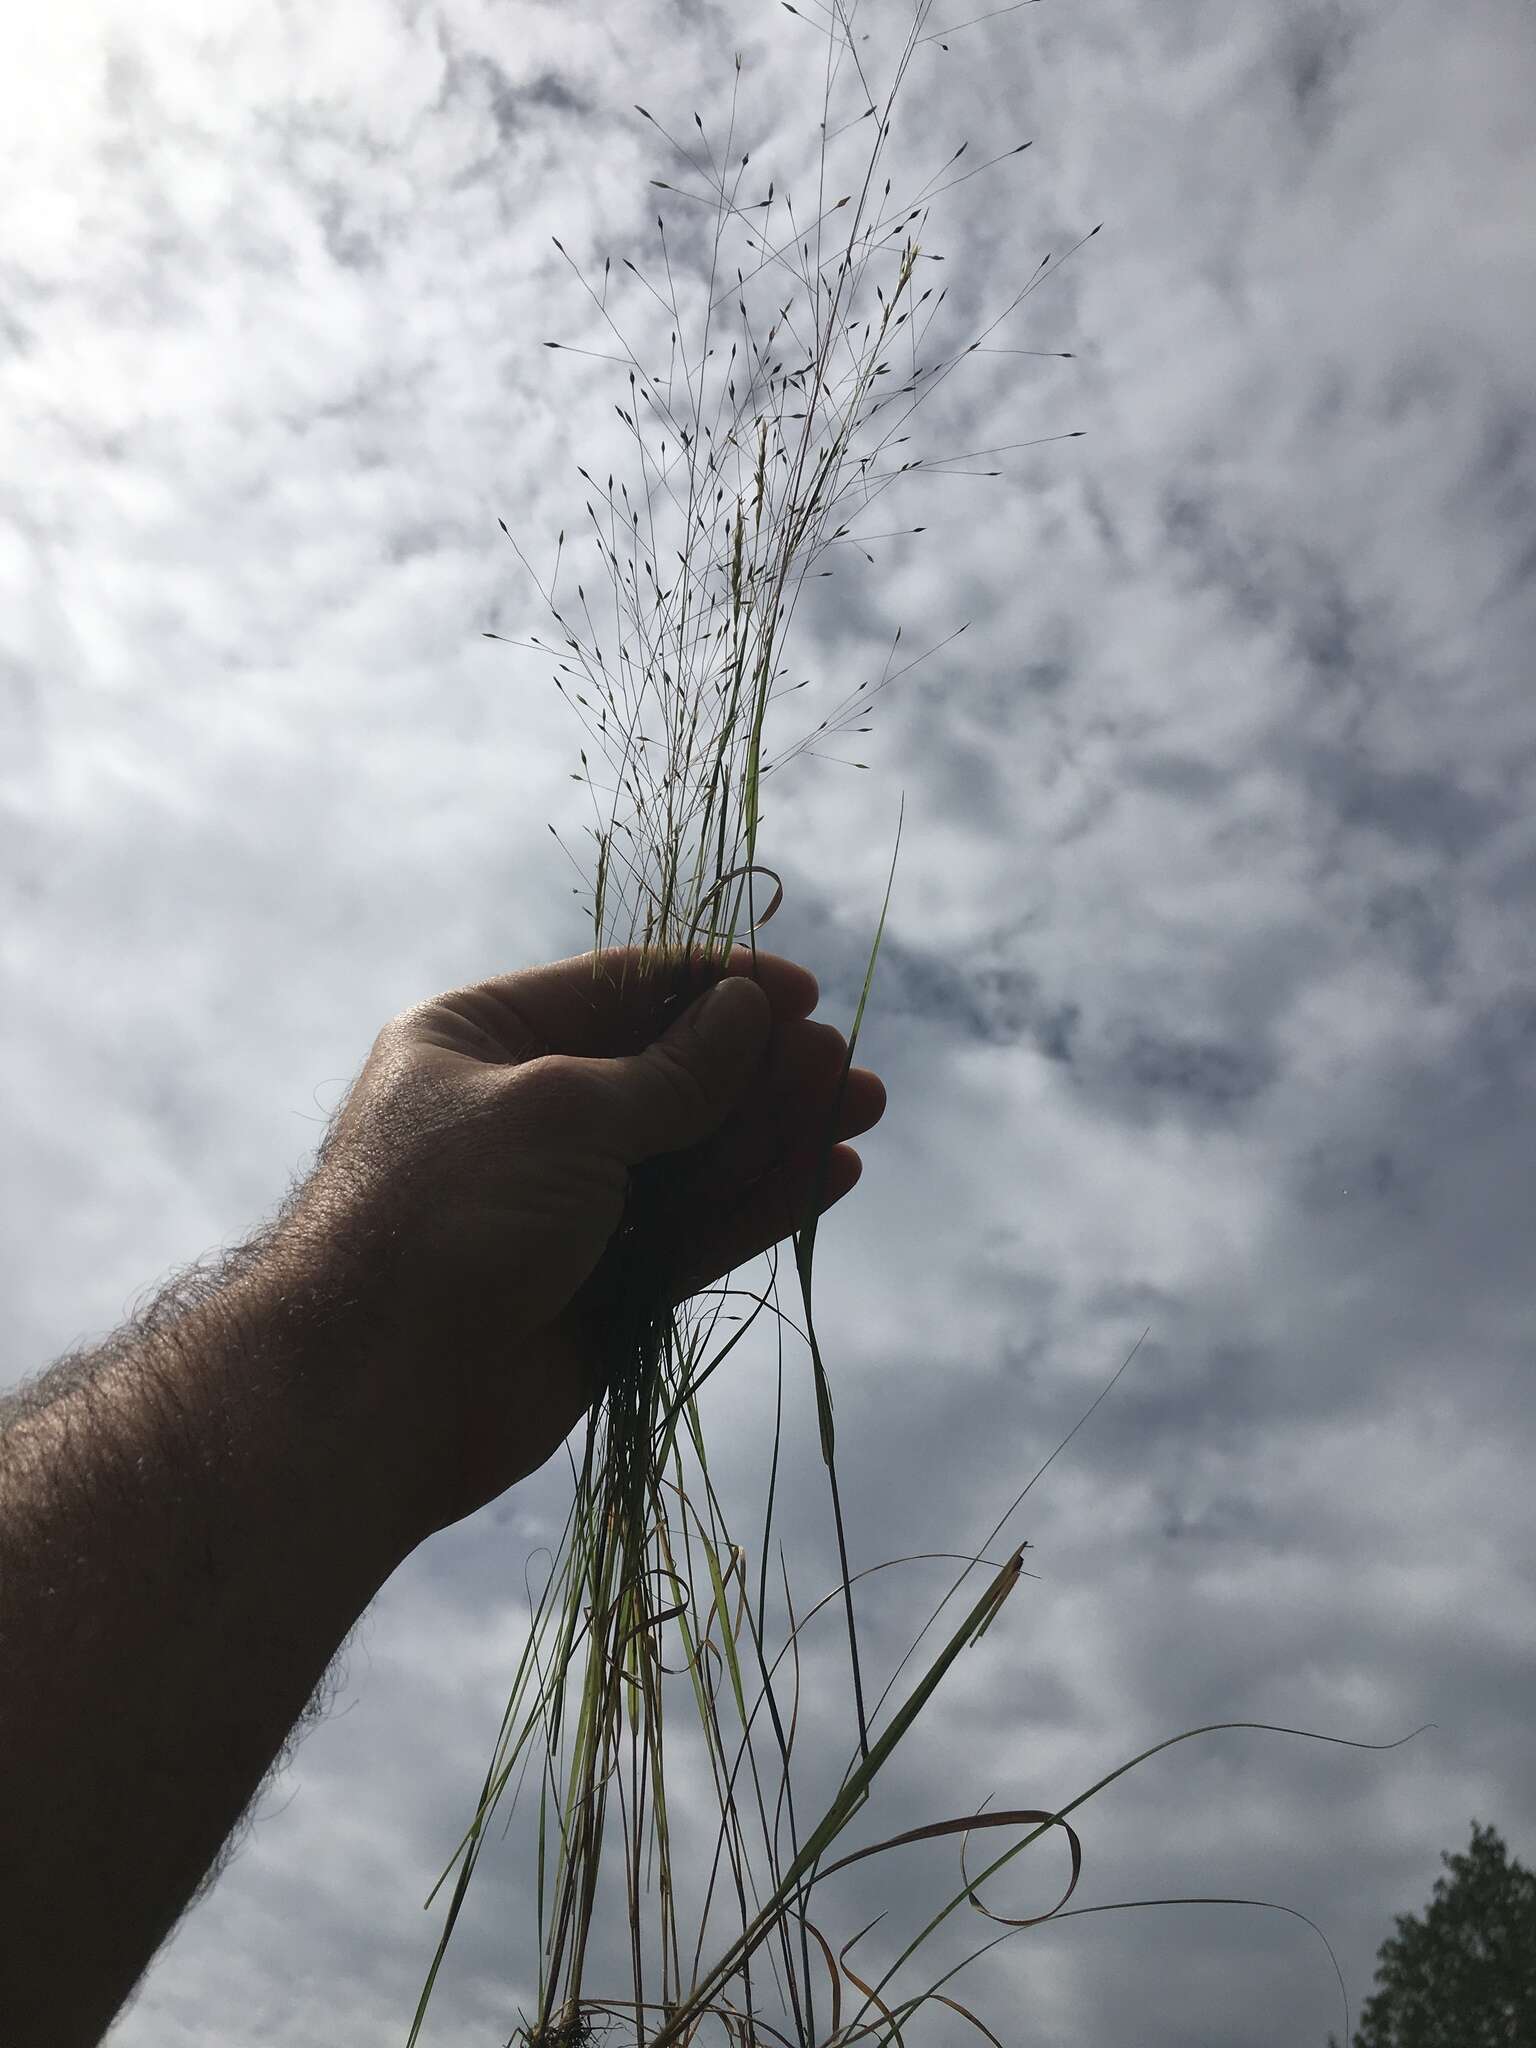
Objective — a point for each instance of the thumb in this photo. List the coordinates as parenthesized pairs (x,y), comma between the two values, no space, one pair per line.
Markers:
(682,1086)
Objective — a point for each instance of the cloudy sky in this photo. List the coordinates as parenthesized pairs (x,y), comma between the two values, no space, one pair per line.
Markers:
(1207,1003)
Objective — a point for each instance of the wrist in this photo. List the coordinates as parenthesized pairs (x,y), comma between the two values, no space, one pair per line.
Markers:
(289,1350)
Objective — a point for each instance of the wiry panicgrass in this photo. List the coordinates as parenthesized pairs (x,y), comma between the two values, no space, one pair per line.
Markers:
(770,369)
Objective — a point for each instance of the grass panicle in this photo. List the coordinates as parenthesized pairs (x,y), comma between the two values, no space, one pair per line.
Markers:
(771,354)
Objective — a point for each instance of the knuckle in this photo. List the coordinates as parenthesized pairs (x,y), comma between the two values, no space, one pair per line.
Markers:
(683,1080)
(829,1043)
(555,1094)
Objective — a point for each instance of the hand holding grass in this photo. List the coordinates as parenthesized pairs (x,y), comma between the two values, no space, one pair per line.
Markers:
(484,1167)
(193,1516)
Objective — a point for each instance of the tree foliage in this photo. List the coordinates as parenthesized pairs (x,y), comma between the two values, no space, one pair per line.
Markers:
(1463,1975)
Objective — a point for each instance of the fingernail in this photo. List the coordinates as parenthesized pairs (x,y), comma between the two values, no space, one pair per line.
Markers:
(718,1002)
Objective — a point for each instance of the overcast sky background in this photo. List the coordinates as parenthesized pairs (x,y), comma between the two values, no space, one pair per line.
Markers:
(1207,1003)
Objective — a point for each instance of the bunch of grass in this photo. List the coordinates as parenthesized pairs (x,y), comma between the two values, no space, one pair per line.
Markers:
(794,365)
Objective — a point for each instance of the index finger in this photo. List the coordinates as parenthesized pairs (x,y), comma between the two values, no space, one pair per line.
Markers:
(617,1001)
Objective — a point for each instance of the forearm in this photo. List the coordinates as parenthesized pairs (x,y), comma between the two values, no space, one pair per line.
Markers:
(184,1544)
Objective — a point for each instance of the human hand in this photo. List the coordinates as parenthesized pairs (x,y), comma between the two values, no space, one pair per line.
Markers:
(479,1171)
